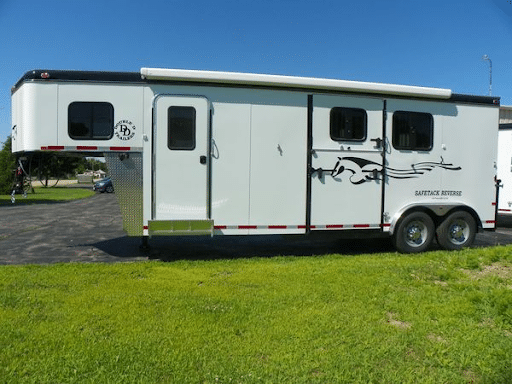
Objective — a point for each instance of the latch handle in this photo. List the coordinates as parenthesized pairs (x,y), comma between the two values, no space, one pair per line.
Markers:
(378,142)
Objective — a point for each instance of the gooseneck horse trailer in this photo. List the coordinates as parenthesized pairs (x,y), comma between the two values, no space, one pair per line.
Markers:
(220,153)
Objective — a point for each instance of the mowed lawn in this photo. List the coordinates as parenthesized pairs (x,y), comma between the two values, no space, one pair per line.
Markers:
(46,195)
(438,317)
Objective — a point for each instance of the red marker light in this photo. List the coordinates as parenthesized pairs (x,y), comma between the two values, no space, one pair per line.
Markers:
(45,75)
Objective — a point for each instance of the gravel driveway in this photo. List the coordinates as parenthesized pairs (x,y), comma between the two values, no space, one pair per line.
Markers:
(90,230)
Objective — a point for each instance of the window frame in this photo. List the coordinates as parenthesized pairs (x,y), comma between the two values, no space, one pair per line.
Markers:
(342,111)
(395,134)
(92,121)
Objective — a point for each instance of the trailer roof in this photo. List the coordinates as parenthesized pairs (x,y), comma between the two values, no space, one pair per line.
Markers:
(292,82)
(235,79)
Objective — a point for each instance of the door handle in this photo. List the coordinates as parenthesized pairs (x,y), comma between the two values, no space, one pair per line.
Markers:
(378,142)
(202,159)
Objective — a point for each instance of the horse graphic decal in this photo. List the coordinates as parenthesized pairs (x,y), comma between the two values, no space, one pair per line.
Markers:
(363,170)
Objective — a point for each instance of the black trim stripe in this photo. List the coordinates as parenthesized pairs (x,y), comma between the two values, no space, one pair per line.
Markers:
(473,99)
(209,164)
(92,76)
(384,151)
(152,172)
(309,163)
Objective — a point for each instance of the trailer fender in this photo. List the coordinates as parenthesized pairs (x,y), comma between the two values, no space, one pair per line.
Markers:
(436,211)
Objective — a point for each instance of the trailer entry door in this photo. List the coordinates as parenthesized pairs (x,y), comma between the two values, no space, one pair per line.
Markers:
(347,162)
(180,165)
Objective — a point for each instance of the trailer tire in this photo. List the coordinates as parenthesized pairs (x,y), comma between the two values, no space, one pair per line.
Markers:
(457,231)
(414,233)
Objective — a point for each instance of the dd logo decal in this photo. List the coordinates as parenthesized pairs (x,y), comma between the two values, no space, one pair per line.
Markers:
(124,130)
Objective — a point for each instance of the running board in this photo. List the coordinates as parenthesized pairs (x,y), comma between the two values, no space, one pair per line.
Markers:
(180,227)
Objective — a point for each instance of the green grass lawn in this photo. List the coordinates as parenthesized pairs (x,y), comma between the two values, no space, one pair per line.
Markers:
(437,317)
(46,195)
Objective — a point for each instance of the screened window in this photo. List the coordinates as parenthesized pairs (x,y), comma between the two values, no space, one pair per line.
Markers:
(181,128)
(348,124)
(90,120)
(413,131)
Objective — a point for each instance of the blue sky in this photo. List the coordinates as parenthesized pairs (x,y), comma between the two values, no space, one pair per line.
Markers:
(435,43)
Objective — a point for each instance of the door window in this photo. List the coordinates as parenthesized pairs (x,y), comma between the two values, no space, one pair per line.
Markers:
(181,128)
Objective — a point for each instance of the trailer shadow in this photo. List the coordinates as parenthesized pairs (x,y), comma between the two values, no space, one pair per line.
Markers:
(504,221)
(169,249)
(206,248)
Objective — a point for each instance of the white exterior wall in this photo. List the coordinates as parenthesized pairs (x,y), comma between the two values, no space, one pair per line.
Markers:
(231,164)
(16,135)
(462,138)
(259,152)
(35,117)
(505,114)
(128,106)
(477,158)
(402,193)
(505,171)
(278,165)
(505,162)
(258,163)
(40,113)
(341,202)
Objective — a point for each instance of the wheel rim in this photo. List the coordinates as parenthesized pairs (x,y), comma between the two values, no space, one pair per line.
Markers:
(416,233)
(458,232)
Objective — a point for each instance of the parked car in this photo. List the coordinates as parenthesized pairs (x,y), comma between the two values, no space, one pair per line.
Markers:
(104,185)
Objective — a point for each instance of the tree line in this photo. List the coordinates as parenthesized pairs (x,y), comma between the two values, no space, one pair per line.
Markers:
(43,166)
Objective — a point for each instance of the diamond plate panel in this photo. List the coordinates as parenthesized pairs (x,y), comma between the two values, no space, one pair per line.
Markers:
(125,169)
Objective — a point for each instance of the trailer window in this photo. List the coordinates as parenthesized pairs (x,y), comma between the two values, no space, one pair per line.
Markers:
(348,124)
(90,120)
(181,128)
(413,131)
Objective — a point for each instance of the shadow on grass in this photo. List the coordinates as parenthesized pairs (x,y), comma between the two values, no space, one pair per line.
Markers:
(231,247)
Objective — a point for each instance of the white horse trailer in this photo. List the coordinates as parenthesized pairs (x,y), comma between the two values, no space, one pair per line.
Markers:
(217,153)
(505,161)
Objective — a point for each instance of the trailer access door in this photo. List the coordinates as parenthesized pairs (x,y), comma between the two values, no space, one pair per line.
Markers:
(180,165)
(347,162)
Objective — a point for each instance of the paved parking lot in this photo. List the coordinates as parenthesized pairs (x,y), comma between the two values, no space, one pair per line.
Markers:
(90,230)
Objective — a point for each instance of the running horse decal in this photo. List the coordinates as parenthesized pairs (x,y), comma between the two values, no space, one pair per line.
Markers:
(363,170)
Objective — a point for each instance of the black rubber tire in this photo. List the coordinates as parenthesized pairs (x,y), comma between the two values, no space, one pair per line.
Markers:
(414,233)
(109,189)
(456,231)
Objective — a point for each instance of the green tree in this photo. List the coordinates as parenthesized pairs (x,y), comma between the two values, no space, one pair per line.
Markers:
(96,165)
(7,167)
(54,165)
(80,169)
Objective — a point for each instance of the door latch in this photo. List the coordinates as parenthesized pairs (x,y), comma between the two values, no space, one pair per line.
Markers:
(202,159)
(378,142)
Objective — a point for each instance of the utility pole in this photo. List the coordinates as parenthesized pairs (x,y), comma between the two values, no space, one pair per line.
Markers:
(487,58)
